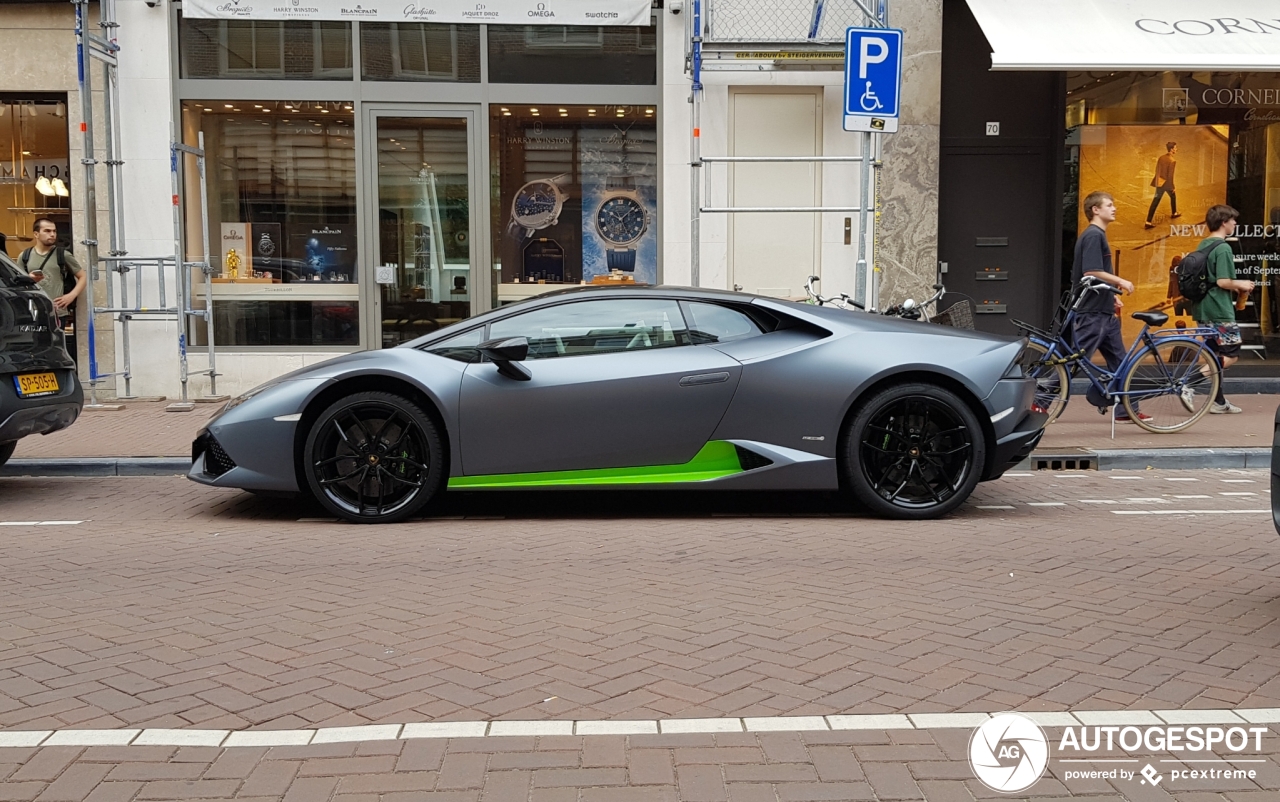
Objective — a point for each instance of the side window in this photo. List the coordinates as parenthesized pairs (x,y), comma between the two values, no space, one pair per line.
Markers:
(712,323)
(461,347)
(600,326)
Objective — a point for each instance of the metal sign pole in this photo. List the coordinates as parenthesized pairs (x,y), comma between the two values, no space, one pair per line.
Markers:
(90,240)
(695,150)
(180,265)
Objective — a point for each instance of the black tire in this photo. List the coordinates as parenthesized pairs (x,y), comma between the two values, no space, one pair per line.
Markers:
(373,458)
(913,451)
(6,451)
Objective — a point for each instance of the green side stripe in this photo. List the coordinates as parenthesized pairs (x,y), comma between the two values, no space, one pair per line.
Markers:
(716,459)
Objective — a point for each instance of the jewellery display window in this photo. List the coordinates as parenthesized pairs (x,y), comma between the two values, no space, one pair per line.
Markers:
(281,219)
(574,197)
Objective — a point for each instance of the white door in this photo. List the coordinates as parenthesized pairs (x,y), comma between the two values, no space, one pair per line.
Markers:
(772,253)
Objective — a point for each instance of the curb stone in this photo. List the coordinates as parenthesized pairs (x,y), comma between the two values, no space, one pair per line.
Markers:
(97,466)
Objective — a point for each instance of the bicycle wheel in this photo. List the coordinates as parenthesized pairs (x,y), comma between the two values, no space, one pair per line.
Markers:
(1175,383)
(1053,385)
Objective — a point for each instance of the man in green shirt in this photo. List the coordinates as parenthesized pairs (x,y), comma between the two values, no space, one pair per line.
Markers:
(1217,310)
(45,260)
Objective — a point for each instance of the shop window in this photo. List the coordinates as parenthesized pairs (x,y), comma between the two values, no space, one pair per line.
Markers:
(265,49)
(1168,146)
(281,221)
(35,178)
(573,54)
(417,51)
(575,197)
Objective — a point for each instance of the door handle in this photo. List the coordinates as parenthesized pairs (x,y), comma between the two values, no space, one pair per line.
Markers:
(704,378)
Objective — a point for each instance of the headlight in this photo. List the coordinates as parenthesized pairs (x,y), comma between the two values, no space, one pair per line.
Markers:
(245,396)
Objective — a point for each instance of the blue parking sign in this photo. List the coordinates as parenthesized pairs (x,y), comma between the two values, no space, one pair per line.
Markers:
(872,79)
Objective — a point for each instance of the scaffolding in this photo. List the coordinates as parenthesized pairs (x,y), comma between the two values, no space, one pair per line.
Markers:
(105,48)
(738,23)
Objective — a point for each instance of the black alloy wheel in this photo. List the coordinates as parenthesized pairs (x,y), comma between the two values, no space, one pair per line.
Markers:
(373,458)
(914,451)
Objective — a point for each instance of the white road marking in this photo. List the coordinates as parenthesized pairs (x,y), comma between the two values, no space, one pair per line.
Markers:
(1239,493)
(1180,479)
(1097,501)
(1148,500)
(1124,477)
(40,523)
(1239,481)
(482,729)
(1069,475)
(995,506)
(1046,503)
(1193,496)
(1019,474)
(1189,512)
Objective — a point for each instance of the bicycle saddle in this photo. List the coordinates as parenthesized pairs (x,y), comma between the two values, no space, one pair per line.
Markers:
(1151,318)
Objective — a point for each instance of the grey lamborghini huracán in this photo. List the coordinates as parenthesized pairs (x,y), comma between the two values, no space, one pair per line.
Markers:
(643,388)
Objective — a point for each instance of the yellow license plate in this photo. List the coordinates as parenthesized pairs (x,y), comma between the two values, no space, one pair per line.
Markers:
(37,384)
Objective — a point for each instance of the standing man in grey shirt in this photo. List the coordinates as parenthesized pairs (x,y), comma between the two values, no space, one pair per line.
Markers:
(51,266)
(1097,327)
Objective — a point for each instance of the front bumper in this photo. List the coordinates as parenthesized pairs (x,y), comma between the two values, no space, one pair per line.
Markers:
(20,417)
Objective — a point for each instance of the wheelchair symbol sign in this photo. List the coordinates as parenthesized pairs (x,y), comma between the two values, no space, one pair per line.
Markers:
(872,79)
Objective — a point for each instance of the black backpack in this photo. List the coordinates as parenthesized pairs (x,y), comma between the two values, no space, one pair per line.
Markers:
(68,278)
(1193,274)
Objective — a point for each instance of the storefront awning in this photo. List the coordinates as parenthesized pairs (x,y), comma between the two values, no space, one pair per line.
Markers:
(1235,35)
(493,12)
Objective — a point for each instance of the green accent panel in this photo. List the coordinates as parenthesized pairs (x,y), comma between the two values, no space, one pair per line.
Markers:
(716,459)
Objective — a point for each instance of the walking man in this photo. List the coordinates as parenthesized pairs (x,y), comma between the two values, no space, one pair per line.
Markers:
(52,266)
(1163,182)
(1097,327)
(1217,310)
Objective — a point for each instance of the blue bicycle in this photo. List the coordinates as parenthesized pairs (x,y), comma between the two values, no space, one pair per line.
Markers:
(1170,375)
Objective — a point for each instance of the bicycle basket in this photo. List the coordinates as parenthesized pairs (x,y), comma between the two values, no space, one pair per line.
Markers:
(959,315)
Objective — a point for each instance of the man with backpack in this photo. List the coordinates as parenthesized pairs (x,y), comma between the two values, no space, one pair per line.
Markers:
(1207,278)
(57,271)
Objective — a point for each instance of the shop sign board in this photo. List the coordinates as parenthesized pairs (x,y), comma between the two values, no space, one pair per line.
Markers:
(494,12)
(872,79)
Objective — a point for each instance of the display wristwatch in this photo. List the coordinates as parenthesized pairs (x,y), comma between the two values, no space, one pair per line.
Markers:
(621,221)
(538,203)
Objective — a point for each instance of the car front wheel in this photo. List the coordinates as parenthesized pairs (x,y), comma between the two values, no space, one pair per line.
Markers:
(373,458)
(913,451)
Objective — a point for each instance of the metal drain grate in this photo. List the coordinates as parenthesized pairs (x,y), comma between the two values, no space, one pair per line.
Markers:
(1077,463)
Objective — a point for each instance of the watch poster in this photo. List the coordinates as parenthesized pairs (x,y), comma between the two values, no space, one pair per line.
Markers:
(326,253)
(618,167)
(1163,178)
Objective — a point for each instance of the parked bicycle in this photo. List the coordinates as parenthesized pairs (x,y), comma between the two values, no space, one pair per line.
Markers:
(958,315)
(1168,374)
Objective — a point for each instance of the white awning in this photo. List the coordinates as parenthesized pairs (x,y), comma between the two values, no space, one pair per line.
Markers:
(1224,35)
(495,12)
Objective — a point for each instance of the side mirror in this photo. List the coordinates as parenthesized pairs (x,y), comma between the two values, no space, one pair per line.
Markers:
(506,353)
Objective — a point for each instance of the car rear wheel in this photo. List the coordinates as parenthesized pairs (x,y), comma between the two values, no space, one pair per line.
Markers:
(373,458)
(6,451)
(913,451)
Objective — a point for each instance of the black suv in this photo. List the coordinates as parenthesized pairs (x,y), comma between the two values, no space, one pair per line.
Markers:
(39,391)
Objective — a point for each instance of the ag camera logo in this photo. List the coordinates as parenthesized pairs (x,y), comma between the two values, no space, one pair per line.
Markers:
(1008,753)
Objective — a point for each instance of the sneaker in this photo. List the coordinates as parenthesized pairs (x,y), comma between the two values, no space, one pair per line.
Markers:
(1123,418)
(1188,398)
(1175,216)
(1148,225)
(1225,409)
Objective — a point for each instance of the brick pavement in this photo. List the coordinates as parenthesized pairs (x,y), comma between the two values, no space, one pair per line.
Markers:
(184,606)
(728,767)
(144,429)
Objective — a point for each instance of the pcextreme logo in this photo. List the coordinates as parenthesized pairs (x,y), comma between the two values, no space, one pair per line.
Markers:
(1010,753)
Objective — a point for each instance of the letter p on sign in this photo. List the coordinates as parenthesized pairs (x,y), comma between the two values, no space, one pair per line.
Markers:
(865,58)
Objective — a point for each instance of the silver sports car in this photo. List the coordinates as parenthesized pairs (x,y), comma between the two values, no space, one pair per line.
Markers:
(655,387)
